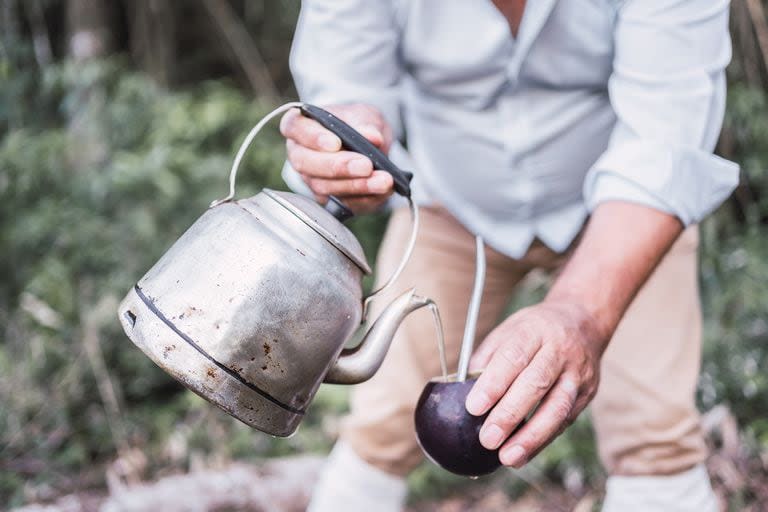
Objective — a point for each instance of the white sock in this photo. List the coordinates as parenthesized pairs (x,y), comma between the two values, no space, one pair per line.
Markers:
(347,482)
(689,491)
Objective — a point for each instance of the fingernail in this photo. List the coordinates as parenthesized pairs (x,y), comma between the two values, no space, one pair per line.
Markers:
(477,403)
(329,142)
(359,167)
(513,456)
(378,183)
(491,436)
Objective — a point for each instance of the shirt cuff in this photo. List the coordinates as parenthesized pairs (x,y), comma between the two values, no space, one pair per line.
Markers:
(683,181)
(294,181)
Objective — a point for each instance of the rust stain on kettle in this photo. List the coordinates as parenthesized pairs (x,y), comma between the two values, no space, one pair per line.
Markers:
(167,349)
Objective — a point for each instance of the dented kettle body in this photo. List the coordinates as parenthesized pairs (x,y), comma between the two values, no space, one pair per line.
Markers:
(250,308)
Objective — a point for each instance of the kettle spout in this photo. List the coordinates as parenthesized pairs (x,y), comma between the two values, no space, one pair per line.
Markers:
(358,364)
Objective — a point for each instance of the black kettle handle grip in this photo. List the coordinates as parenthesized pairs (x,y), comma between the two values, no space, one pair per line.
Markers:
(352,140)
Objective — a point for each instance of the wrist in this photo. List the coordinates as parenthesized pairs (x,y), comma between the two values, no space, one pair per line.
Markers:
(621,246)
(596,321)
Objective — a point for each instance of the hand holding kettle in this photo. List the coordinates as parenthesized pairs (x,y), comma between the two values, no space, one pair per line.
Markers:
(317,154)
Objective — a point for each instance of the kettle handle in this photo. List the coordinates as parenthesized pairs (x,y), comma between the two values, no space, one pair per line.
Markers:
(244,146)
(352,140)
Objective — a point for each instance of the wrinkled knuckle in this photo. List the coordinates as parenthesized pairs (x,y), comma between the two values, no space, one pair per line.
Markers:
(513,356)
(528,330)
(506,416)
(541,379)
(562,411)
(338,168)
(590,376)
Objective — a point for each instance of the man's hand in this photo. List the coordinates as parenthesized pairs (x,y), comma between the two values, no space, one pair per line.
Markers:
(316,154)
(548,354)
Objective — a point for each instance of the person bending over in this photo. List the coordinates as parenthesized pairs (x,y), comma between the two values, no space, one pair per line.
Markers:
(574,136)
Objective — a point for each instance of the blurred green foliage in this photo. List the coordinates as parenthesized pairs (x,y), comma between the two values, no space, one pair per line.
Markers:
(734,276)
(101,170)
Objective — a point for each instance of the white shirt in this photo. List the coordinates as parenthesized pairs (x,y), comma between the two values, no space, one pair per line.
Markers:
(595,100)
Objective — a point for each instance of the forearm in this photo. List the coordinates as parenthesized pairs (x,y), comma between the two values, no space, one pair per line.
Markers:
(621,246)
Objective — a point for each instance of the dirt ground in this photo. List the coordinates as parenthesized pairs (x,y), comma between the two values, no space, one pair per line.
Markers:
(739,477)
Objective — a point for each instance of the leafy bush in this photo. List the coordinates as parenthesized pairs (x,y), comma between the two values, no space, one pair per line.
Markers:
(100,171)
(734,275)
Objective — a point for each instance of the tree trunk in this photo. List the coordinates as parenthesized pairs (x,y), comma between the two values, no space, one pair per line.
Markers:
(153,37)
(89,31)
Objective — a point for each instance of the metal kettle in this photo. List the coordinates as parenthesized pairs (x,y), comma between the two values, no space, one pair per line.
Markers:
(252,307)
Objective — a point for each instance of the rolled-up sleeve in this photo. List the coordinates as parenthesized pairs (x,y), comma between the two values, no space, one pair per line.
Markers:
(668,92)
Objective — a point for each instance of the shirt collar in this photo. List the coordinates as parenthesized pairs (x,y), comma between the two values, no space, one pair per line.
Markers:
(534,16)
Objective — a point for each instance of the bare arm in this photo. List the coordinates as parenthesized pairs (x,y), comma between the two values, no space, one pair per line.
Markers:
(622,245)
(549,354)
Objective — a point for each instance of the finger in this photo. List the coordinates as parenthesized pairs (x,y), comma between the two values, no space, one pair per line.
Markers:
(321,164)
(526,391)
(380,182)
(367,121)
(359,204)
(365,204)
(485,351)
(493,341)
(311,134)
(552,416)
(373,134)
(307,132)
(507,362)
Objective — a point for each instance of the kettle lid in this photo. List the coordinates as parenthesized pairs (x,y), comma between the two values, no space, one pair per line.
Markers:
(325,224)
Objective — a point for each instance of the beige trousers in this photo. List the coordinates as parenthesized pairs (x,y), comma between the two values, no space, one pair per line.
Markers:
(644,413)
